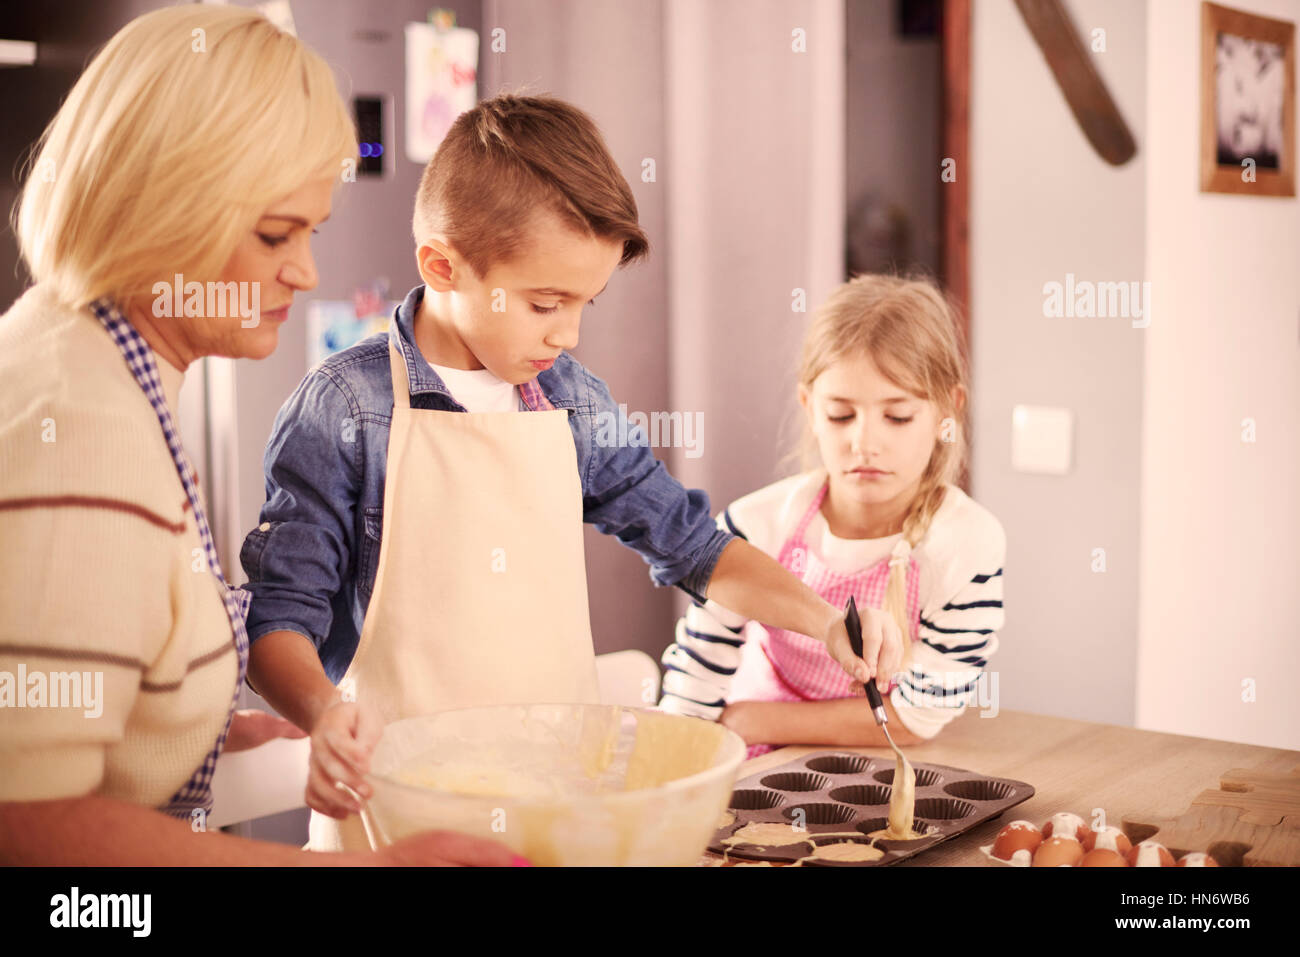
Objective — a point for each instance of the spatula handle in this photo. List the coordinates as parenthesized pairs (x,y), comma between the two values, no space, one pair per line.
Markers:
(854,626)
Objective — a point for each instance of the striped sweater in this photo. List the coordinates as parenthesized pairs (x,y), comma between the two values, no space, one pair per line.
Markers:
(960,562)
(116,659)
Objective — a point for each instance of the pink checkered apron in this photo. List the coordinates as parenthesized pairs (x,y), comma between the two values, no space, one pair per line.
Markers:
(780,665)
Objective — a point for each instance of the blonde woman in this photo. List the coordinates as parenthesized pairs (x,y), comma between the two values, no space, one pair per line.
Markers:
(882,387)
(166,216)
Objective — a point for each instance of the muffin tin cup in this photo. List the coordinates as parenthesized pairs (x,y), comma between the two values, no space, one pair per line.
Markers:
(839,796)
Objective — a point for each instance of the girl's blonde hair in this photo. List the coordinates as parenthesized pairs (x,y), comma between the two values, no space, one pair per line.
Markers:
(909,328)
(183,129)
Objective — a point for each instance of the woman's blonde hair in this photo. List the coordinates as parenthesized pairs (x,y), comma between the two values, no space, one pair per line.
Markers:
(183,129)
(909,329)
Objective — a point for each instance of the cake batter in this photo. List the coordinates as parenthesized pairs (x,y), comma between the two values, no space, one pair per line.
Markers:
(902,804)
(783,835)
(846,851)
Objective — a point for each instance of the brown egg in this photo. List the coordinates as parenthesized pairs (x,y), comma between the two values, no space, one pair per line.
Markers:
(1150,854)
(1102,857)
(1065,824)
(1197,859)
(1058,852)
(1018,837)
(1110,838)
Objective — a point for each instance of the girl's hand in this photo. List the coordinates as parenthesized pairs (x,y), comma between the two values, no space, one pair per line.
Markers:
(342,741)
(882,647)
(251,728)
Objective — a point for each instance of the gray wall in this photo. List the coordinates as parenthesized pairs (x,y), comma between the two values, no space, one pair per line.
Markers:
(608,59)
(1044,204)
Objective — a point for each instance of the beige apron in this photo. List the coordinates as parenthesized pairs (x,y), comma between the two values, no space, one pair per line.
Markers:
(481,592)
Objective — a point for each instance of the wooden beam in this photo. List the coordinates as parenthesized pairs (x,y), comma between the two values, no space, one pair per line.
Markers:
(1077,76)
(956,146)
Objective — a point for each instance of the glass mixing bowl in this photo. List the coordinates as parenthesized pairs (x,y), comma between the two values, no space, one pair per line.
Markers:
(561,784)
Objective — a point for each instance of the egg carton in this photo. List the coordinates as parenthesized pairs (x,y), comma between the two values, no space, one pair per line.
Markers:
(841,792)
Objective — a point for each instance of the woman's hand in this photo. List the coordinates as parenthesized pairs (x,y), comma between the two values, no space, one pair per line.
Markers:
(248,729)
(342,741)
(448,849)
(882,647)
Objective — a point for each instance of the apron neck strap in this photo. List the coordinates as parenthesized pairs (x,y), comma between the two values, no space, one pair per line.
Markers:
(401,383)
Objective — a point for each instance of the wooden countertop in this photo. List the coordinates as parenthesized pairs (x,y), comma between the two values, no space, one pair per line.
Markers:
(1073,766)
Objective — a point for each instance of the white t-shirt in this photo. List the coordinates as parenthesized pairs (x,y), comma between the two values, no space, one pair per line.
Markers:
(479,390)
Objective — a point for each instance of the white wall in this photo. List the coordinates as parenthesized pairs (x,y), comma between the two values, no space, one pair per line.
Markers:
(1044,204)
(1220,523)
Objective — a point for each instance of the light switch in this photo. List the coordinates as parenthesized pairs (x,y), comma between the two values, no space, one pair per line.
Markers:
(1042,438)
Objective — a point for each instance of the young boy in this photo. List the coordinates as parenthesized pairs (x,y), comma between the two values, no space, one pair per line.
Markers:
(421,538)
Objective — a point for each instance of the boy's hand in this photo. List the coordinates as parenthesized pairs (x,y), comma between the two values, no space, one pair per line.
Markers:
(251,728)
(738,716)
(342,741)
(882,647)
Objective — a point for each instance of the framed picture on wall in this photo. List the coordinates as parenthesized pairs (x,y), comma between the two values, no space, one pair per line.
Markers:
(1247,103)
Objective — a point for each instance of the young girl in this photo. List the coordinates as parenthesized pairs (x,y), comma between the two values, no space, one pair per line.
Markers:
(883,389)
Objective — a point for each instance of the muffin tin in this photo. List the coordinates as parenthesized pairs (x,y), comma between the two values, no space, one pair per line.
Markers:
(844,792)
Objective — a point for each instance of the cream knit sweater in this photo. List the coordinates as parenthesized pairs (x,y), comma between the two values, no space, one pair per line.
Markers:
(102,576)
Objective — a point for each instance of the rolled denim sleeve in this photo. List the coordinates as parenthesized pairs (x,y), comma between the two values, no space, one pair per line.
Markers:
(300,553)
(629,494)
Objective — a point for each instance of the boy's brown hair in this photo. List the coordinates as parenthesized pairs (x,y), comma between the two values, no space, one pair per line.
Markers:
(511,158)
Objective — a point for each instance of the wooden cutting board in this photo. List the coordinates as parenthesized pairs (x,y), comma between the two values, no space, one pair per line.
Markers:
(1251,819)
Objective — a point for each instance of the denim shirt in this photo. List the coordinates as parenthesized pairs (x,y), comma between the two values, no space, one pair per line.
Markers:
(311,561)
